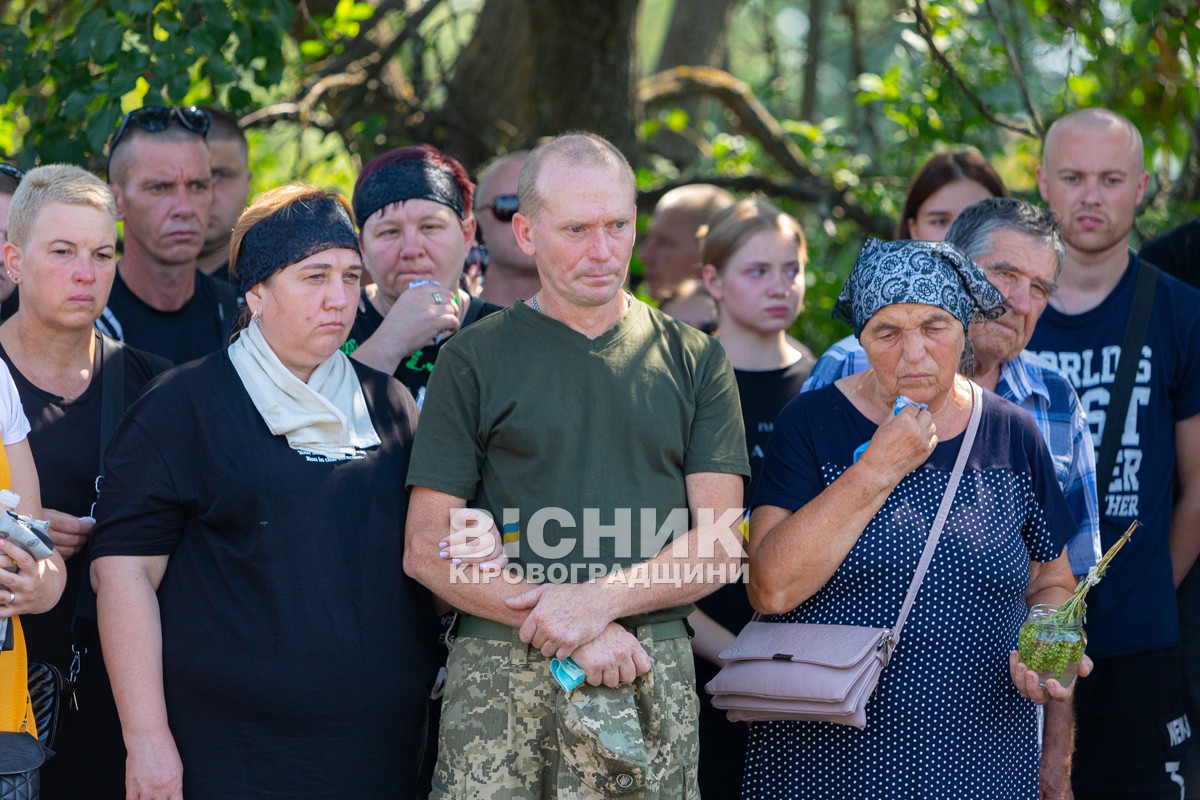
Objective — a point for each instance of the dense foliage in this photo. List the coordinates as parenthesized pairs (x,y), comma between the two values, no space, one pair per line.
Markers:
(834,105)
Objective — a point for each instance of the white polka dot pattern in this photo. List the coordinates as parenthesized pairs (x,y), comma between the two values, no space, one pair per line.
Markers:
(946,721)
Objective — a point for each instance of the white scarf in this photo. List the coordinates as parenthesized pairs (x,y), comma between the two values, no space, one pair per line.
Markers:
(326,417)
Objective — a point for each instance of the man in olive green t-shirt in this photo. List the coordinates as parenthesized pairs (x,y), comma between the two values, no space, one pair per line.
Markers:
(592,429)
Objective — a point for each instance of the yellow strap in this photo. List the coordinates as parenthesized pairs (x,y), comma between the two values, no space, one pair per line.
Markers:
(16,713)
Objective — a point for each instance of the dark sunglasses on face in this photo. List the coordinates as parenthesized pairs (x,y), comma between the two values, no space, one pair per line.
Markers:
(504,206)
(154,119)
(11,171)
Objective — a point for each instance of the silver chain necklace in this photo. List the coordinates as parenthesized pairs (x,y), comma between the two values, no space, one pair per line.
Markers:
(533,303)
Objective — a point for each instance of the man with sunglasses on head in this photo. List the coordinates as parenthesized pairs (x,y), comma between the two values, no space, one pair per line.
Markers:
(511,275)
(158,170)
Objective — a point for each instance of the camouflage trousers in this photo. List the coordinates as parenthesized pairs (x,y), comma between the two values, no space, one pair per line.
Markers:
(500,728)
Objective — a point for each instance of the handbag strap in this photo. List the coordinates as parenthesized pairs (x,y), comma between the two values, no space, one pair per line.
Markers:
(943,510)
(112,407)
(112,392)
(1122,388)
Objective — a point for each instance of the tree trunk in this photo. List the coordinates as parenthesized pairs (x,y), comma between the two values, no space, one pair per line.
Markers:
(696,37)
(487,106)
(537,68)
(583,70)
(813,55)
(696,34)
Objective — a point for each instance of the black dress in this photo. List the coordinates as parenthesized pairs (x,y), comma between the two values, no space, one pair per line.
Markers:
(296,654)
(64,438)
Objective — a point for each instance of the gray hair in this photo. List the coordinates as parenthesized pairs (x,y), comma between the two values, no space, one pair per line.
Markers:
(55,183)
(577,149)
(972,230)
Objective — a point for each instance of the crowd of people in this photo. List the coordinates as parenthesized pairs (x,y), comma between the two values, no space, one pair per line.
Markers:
(269,580)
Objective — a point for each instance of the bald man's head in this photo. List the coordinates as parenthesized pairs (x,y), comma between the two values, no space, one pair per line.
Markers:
(671,251)
(1092,177)
(1099,121)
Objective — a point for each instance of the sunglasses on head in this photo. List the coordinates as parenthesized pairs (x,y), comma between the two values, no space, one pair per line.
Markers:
(11,171)
(504,206)
(154,119)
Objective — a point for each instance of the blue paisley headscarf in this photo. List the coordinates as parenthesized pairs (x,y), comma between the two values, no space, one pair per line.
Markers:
(932,273)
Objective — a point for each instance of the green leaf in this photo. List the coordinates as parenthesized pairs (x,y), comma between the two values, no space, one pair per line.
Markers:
(677,119)
(313,49)
(1145,10)
(106,43)
(238,100)
(76,100)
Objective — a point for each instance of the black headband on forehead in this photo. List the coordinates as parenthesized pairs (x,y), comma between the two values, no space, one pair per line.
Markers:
(292,234)
(407,180)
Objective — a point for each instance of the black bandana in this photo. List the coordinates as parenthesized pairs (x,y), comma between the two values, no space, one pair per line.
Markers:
(292,234)
(406,180)
(931,273)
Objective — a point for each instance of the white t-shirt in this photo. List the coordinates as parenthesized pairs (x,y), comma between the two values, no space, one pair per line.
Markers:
(13,424)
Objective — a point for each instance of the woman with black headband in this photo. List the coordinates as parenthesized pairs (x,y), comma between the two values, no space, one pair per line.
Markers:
(261,635)
(413,208)
(853,480)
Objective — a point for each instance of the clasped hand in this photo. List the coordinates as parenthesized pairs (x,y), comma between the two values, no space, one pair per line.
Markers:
(561,622)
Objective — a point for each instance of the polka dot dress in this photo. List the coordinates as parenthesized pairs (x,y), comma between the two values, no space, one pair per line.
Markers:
(946,721)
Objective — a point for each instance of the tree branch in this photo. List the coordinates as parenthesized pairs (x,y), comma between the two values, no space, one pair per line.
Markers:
(926,31)
(303,109)
(1018,73)
(753,116)
(755,120)
(361,45)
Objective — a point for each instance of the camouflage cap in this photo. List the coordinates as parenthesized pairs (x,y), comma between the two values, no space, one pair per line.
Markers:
(603,735)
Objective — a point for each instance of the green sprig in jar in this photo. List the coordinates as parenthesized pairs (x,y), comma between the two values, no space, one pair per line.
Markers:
(1051,646)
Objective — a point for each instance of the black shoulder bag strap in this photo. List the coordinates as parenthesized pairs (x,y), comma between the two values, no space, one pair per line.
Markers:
(112,393)
(1122,388)
(112,406)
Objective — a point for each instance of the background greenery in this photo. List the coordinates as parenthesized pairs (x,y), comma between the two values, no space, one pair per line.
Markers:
(827,106)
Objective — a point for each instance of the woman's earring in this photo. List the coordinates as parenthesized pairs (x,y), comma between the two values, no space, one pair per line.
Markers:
(257,314)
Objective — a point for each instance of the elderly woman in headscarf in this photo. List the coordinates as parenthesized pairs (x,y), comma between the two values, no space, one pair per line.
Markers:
(261,635)
(853,478)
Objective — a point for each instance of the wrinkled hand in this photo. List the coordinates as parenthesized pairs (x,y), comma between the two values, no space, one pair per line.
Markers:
(902,443)
(562,619)
(415,319)
(69,533)
(474,540)
(153,770)
(613,658)
(1026,681)
(27,585)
